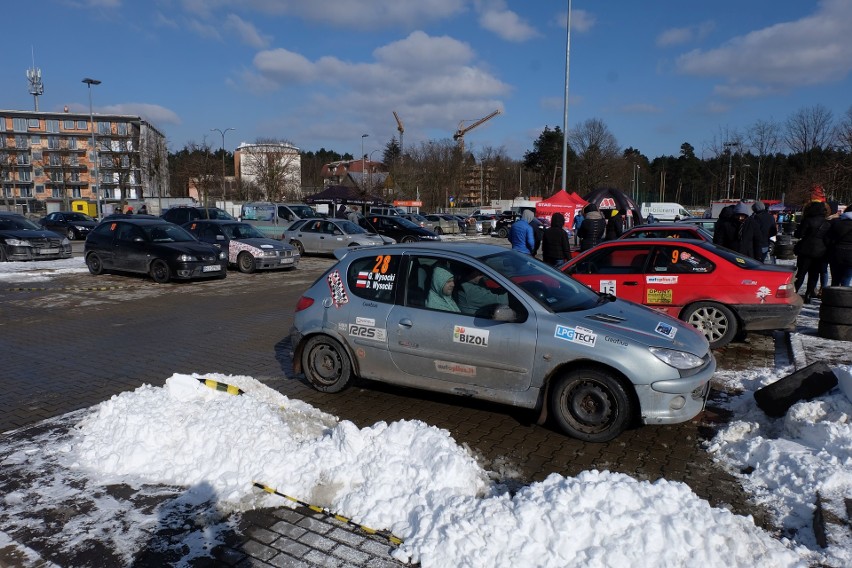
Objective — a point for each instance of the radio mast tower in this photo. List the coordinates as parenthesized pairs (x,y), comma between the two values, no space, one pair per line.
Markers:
(36,86)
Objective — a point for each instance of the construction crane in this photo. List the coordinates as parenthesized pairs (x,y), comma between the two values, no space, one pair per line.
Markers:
(401,132)
(459,135)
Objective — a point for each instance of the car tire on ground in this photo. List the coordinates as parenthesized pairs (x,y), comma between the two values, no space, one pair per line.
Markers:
(245,262)
(502,232)
(715,321)
(591,405)
(835,331)
(299,247)
(326,364)
(409,239)
(835,314)
(94,264)
(837,296)
(3,257)
(72,235)
(160,272)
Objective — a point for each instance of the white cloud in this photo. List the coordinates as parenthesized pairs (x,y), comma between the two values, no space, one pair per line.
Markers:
(809,51)
(285,66)
(247,32)
(155,114)
(581,20)
(641,108)
(162,20)
(495,17)
(204,30)
(677,36)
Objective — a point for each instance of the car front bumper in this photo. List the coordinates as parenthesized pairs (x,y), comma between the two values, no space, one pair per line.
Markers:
(675,401)
(276,262)
(761,317)
(198,270)
(36,253)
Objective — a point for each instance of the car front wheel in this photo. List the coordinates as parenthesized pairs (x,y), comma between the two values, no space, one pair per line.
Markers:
(326,364)
(299,247)
(591,405)
(502,232)
(715,321)
(245,262)
(94,264)
(160,272)
(72,235)
(409,239)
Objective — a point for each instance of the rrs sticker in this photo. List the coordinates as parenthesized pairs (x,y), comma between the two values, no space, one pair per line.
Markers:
(470,335)
(367,332)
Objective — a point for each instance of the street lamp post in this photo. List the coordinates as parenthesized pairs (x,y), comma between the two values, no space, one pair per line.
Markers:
(742,194)
(222,132)
(363,162)
(95,186)
(636,168)
(729,145)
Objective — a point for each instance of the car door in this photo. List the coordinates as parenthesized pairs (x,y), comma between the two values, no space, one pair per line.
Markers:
(311,236)
(130,248)
(677,275)
(434,344)
(617,270)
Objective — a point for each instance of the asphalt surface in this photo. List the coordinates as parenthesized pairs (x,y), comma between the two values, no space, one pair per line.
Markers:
(76,340)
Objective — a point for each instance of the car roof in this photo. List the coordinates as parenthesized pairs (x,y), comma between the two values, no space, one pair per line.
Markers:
(473,250)
(216,221)
(133,219)
(10,214)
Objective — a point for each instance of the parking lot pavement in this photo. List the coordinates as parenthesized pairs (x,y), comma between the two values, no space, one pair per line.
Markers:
(69,345)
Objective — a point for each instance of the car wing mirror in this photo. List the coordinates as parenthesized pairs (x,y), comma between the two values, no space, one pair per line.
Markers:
(504,313)
(220,237)
(138,240)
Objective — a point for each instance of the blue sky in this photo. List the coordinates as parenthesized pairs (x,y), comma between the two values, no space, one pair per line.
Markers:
(321,73)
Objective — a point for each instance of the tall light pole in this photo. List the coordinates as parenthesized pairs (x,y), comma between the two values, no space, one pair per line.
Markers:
(95,186)
(565,105)
(729,145)
(363,161)
(636,195)
(743,168)
(222,132)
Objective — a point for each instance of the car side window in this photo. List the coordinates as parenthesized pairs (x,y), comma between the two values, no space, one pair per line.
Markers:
(127,233)
(210,232)
(677,260)
(375,277)
(312,227)
(616,261)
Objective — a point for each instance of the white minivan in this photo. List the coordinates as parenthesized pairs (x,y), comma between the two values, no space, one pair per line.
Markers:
(664,211)
(272,219)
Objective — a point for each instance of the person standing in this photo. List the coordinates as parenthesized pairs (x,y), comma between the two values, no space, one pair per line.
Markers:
(522,235)
(746,238)
(353,214)
(538,234)
(839,244)
(593,227)
(766,229)
(614,226)
(555,248)
(578,222)
(725,233)
(811,250)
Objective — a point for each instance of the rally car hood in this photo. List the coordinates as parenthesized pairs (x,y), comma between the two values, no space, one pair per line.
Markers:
(263,243)
(31,234)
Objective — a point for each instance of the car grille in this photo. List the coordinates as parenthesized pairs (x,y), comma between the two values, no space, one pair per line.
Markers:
(43,243)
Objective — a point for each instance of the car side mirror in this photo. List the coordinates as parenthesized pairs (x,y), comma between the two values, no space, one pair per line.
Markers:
(220,237)
(504,313)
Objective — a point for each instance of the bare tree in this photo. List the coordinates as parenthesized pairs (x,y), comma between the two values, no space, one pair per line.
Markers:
(809,129)
(275,167)
(597,153)
(763,137)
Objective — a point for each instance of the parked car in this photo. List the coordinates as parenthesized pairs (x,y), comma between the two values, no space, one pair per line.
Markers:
(419,219)
(21,239)
(722,293)
(324,236)
(667,231)
(443,224)
(155,247)
(72,224)
(247,248)
(530,337)
(183,214)
(272,219)
(708,225)
(399,229)
(504,223)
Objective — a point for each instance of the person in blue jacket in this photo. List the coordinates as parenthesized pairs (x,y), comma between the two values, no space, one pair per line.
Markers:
(522,235)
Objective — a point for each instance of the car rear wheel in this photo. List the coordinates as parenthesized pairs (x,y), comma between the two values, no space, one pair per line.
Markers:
(94,264)
(3,257)
(299,247)
(245,263)
(409,239)
(715,321)
(439,231)
(160,271)
(326,364)
(72,235)
(502,232)
(591,405)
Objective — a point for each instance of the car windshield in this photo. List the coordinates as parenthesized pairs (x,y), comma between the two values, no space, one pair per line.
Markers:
(167,233)
(78,217)
(18,224)
(219,214)
(406,223)
(549,287)
(350,228)
(241,231)
(303,211)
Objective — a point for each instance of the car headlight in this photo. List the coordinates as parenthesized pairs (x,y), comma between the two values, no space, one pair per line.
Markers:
(677,359)
(431,237)
(18,242)
(222,255)
(81,228)
(65,242)
(187,258)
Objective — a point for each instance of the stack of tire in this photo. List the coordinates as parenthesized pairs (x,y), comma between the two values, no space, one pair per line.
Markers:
(835,313)
(784,247)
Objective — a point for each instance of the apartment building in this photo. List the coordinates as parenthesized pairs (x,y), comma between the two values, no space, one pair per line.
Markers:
(47,159)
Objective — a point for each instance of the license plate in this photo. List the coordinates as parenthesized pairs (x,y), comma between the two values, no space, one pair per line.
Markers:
(286,260)
(211,268)
(48,251)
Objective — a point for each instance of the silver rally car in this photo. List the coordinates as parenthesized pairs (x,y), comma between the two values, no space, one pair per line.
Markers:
(482,321)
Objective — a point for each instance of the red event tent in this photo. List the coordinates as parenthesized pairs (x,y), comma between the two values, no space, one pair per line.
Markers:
(569,204)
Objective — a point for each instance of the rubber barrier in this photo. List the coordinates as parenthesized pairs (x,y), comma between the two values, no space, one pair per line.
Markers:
(395,540)
(223,387)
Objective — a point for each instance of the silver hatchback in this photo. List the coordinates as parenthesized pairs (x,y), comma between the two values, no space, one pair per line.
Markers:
(324,236)
(482,321)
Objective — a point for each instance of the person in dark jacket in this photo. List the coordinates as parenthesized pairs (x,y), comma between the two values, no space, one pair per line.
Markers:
(766,229)
(839,241)
(747,241)
(725,233)
(555,247)
(538,234)
(811,250)
(614,226)
(592,230)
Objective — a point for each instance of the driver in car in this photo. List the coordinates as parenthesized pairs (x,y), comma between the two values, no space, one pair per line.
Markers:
(475,294)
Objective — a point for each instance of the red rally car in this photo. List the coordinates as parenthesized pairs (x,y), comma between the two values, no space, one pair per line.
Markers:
(720,292)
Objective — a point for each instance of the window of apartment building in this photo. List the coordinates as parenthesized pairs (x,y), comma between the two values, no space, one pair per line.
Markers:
(55,160)
(74,176)
(33,123)
(122,128)
(37,155)
(74,160)
(7,191)
(39,172)
(81,125)
(53,142)
(55,191)
(2,124)
(2,141)
(51,125)
(72,143)
(104,128)
(56,176)
(26,191)
(19,124)
(22,159)
(24,175)
(39,189)
(125,161)
(35,140)
(22,141)
(76,192)
(68,124)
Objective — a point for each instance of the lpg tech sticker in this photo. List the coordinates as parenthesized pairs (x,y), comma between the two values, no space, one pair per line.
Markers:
(338,292)
(666,329)
(578,334)
(470,335)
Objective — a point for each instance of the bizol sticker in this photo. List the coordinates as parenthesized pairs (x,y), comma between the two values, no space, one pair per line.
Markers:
(661,279)
(666,329)
(455,369)
(367,332)
(470,335)
(577,334)
(338,292)
(654,296)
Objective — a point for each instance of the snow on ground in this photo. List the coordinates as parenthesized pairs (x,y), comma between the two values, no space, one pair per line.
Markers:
(39,270)
(414,480)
